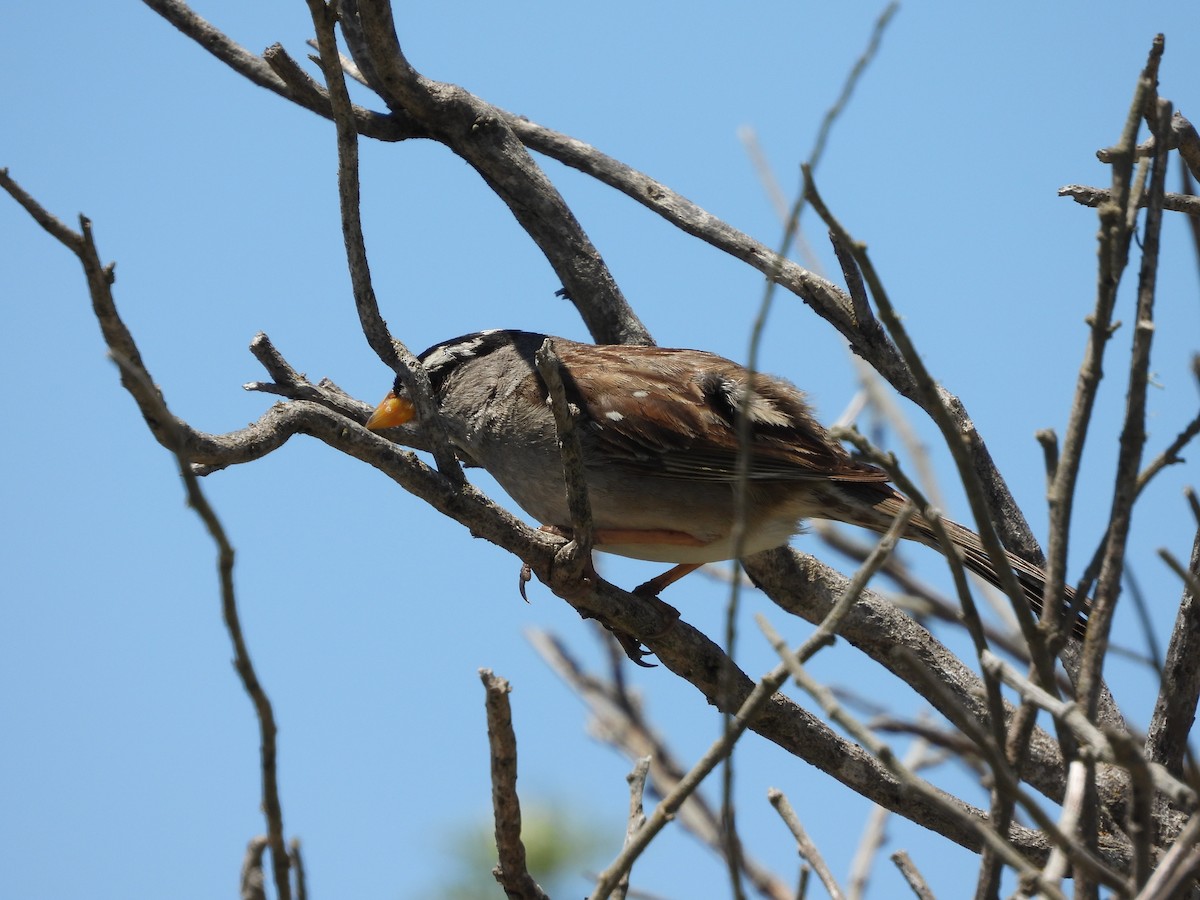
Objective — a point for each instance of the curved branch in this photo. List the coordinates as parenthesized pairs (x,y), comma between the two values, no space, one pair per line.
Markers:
(479,133)
(269,71)
(391,351)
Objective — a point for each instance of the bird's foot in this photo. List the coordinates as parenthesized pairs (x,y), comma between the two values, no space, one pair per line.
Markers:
(633,646)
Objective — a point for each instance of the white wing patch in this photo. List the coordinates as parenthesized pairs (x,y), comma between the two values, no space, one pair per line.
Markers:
(761,410)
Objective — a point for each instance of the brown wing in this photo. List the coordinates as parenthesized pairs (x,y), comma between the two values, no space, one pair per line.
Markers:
(676,411)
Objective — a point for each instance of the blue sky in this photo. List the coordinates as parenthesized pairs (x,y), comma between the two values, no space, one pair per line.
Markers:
(128,761)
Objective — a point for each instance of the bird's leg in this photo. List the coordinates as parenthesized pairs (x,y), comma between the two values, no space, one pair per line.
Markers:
(649,590)
(661,582)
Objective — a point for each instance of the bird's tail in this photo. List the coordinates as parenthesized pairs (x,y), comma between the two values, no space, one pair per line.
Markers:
(1030,577)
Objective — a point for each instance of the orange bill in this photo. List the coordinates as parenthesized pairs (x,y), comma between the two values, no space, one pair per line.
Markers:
(391,412)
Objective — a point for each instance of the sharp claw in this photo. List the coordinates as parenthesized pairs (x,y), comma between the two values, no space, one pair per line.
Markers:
(631,645)
(633,649)
(524,579)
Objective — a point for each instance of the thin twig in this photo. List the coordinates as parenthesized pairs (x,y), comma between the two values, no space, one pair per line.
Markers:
(298,868)
(1133,430)
(912,875)
(1095,197)
(1056,867)
(1170,454)
(1116,221)
(252,885)
(511,871)
(741,487)
(550,368)
(637,813)
(391,351)
(1179,687)
(808,850)
(875,831)
(272,808)
(1113,255)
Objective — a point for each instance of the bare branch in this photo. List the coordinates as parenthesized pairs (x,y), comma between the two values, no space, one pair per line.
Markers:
(395,127)
(511,871)
(252,883)
(808,850)
(53,225)
(637,813)
(391,351)
(272,809)
(808,588)
(550,369)
(986,835)
(298,868)
(1115,233)
(911,874)
(1179,688)
(1182,137)
(1057,866)
(483,136)
(1133,432)
(1170,454)
(755,705)
(875,830)
(1096,197)
(681,648)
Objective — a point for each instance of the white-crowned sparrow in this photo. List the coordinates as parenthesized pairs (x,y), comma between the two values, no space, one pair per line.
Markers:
(658,429)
